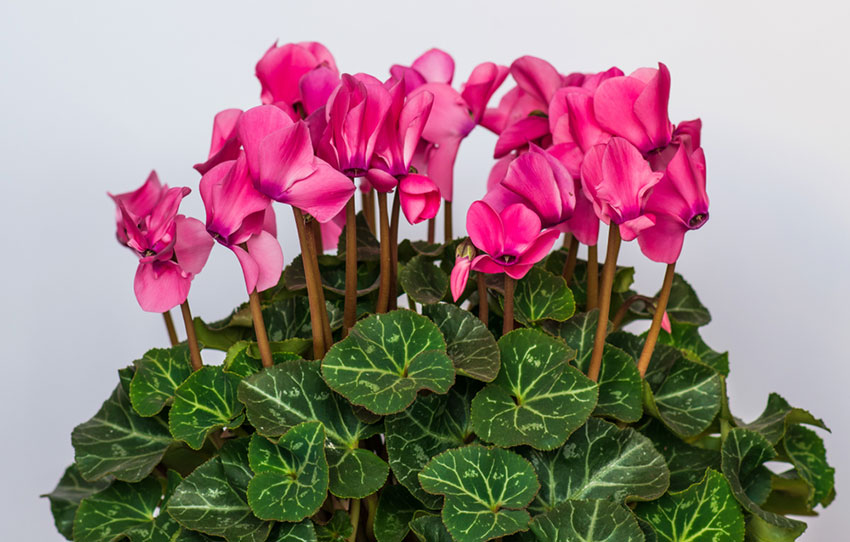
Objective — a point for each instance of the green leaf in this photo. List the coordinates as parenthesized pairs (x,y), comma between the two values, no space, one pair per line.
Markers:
(119,442)
(662,360)
(541,295)
(743,455)
(687,463)
(294,532)
(212,499)
(66,496)
(423,281)
(704,511)
(579,333)
(471,346)
(368,246)
(206,401)
(806,451)
(486,490)
(163,528)
(332,272)
(686,338)
(117,510)
(588,521)
(599,461)
(386,359)
(338,529)
(429,427)
(538,398)
(396,508)
(777,417)
(291,480)
(288,318)
(620,386)
(684,305)
(157,376)
(241,361)
(279,398)
(430,528)
(759,530)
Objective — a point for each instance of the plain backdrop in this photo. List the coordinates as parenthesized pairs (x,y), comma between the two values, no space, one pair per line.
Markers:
(95,94)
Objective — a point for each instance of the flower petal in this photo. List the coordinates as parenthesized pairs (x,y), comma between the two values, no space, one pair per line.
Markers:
(254,125)
(193,244)
(323,194)
(250,268)
(523,227)
(485,228)
(265,249)
(536,76)
(316,86)
(663,241)
(160,286)
(539,248)
(284,158)
(484,80)
(420,198)
(651,108)
(459,276)
(436,66)
(520,134)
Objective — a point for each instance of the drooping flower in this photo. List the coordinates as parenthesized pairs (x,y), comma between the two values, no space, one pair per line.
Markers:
(171,248)
(511,241)
(242,219)
(420,198)
(635,107)
(283,69)
(617,179)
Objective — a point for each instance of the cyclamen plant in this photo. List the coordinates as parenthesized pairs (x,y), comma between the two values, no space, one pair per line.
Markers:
(513,406)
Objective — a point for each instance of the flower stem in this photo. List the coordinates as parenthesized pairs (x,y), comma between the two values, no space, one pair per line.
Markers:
(432,230)
(315,232)
(605,302)
(508,325)
(367,200)
(260,329)
(386,257)
(483,301)
(191,339)
(318,242)
(572,256)
(592,277)
(394,217)
(169,326)
(354,511)
(624,309)
(307,249)
(447,223)
(371,508)
(655,328)
(349,313)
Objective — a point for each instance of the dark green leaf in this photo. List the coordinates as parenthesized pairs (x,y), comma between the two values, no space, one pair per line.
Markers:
(705,511)
(66,496)
(778,415)
(578,332)
(338,529)
(356,473)
(587,521)
(294,532)
(206,401)
(430,528)
(386,359)
(117,510)
(157,376)
(806,451)
(119,442)
(620,386)
(423,281)
(241,361)
(368,246)
(486,490)
(759,530)
(396,509)
(599,461)
(538,398)
(686,338)
(291,480)
(471,346)
(540,295)
(289,318)
(430,426)
(687,463)
(684,305)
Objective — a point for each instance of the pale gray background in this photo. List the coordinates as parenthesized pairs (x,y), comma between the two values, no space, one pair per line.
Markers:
(95,94)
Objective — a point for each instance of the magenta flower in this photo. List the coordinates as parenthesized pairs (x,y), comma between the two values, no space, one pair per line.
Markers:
(512,241)
(225,144)
(402,129)
(617,179)
(420,198)
(242,219)
(171,248)
(283,69)
(635,107)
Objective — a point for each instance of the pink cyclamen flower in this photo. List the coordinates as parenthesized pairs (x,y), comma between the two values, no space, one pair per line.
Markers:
(635,107)
(224,145)
(512,241)
(283,68)
(171,248)
(420,198)
(242,219)
(617,179)
(279,156)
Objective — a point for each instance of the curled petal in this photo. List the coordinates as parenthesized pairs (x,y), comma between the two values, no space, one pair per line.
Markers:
(459,277)
(140,202)
(632,227)
(663,241)
(651,108)
(435,66)
(441,162)
(230,199)
(523,227)
(193,244)
(486,264)
(224,129)
(250,268)
(420,198)
(254,125)
(284,158)
(280,70)
(537,77)
(380,180)
(484,80)
(331,230)
(539,248)
(485,228)
(316,87)
(323,194)
(520,134)
(266,252)
(160,286)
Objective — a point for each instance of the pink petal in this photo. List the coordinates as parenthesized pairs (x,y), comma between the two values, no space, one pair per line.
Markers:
(284,158)
(665,323)
(539,248)
(230,198)
(140,202)
(520,134)
(632,228)
(523,227)
(316,86)
(436,66)
(450,117)
(411,123)
(323,194)
(614,108)
(250,268)
(266,252)
(441,163)
(485,264)
(460,276)
(193,244)
(663,241)
(331,230)
(570,155)
(584,223)
(484,80)
(692,129)
(530,176)
(592,179)
(224,129)
(270,221)
(160,286)
(651,108)
(536,76)
(254,125)
(281,68)
(500,197)
(498,171)
(517,270)
(380,180)
(627,179)
(485,228)
(322,54)
(420,198)
(161,218)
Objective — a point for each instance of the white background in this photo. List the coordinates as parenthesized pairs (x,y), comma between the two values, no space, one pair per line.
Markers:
(95,94)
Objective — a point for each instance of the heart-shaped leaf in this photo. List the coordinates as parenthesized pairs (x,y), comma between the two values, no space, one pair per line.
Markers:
(338,529)
(471,346)
(291,480)
(486,490)
(430,528)
(540,295)
(687,463)
(686,338)
(620,386)
(396,508)
(157,376)
(599,461)
(743,454)
(302,531)
(806,451)
(423,281)
(241,360)
(119,442)
(588,521)
(687,400)
(289,317)
(704,511)
(777,417)
(538,398)
(386,359)
(684,305)
(66,496)
(122,509)
(579,333)
(213,498)
(206,401)
(429,427)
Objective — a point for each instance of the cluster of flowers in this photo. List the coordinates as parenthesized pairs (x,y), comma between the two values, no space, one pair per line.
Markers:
(572,150)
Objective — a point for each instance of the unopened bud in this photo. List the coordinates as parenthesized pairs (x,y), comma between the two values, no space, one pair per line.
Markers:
(465,250)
